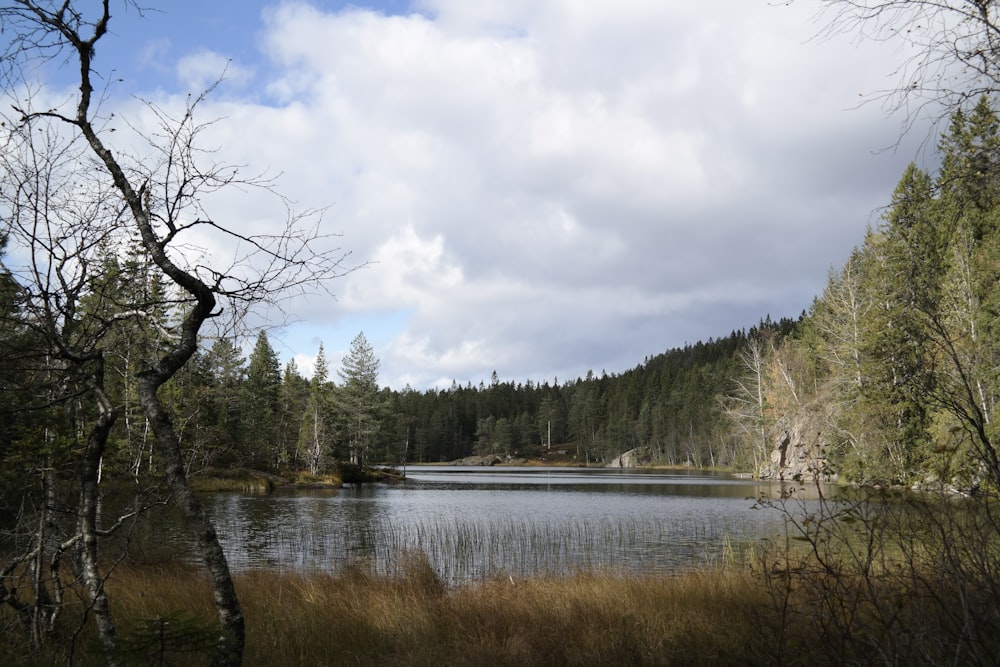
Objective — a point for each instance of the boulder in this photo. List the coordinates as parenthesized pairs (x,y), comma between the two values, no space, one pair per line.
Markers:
(632,458)
(487,460)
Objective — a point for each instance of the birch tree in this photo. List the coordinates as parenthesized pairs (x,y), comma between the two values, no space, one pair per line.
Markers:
(152,186)
(315,439)
(746,403)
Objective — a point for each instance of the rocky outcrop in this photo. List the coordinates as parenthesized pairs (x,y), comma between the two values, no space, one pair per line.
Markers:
(632,458)
(488,460)
(799,452)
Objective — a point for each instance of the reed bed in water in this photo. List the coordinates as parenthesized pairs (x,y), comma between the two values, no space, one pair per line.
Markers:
(873,584)
(463,549)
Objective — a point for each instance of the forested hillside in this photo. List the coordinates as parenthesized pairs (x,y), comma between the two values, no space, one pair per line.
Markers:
(900,355)
(670,403)
(249,411)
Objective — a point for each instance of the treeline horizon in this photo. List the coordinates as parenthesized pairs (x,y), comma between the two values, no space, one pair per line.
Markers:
(668,403)
(896,367)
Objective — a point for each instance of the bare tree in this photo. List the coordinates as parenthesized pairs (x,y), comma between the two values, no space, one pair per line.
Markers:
(746,403)
(157,191)
(949,50)
(58,217)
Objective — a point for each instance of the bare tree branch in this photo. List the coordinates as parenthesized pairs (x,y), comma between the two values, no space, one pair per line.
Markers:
(949,50)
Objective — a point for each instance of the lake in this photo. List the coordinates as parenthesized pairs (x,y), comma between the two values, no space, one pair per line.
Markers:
(474,522)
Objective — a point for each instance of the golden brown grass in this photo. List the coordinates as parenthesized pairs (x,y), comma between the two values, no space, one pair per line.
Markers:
(245,480)
(359,618)
(894,585)
(906,597)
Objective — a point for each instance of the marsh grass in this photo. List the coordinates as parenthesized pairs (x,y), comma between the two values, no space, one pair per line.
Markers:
(782,605)
(878,580)
(462,549)
(238,480)
(362,617)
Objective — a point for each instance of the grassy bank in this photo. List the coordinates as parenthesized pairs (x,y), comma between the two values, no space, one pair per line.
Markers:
(412,619)
(790,613)
(887,580)
(245,480)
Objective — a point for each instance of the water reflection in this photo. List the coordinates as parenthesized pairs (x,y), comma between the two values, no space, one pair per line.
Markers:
(474,523)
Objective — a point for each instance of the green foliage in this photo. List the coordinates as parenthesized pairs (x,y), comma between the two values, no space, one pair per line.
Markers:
(904,338)
(898,358)
(666,404)
(261,394)
(316,431)
(358,400)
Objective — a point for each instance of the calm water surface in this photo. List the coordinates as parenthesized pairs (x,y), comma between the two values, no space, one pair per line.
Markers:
(483,522)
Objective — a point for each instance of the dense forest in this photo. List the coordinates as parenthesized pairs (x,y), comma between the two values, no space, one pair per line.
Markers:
(899,351)
(238,410)
(897,360)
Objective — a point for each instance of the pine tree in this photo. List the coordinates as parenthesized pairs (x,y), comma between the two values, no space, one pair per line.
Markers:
(132,284)
(358,398)
(906,276)
(261,394)
(224,364)
(908,329)
(294,396)
(964,325)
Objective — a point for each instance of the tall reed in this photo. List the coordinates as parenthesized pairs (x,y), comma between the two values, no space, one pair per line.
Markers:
(363,617)
(462,549)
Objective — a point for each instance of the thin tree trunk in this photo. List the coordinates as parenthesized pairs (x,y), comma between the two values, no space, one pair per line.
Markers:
(87,521)
(231,642)
(230,649)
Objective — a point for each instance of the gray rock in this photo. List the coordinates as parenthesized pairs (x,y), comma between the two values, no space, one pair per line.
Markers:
(799,452)
(487,460)
(632,458)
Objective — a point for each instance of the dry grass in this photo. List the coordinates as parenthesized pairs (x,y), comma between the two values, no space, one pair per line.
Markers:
(359,618)
(238,480)
(411,619)
(864,588)
(245,480)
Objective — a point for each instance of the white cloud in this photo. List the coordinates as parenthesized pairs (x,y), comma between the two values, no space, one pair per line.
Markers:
(549,187)
(202,69)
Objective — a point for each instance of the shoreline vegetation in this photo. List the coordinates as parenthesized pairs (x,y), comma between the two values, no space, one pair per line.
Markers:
(360,618)
(890,577)
(110,372)
(250,480)
(921,592)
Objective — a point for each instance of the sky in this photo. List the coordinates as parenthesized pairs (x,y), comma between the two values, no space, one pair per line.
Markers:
(539,188)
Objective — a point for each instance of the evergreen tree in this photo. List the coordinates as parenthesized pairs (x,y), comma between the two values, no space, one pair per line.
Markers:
(16,387)
(907,331)
(963,325)
(294,397)
(359,400)
(261,401)
(906,277)
(127,292)
(224,364)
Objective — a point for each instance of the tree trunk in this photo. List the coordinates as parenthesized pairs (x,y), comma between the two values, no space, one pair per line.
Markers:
(231,642)
(87,521)
(230,649)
